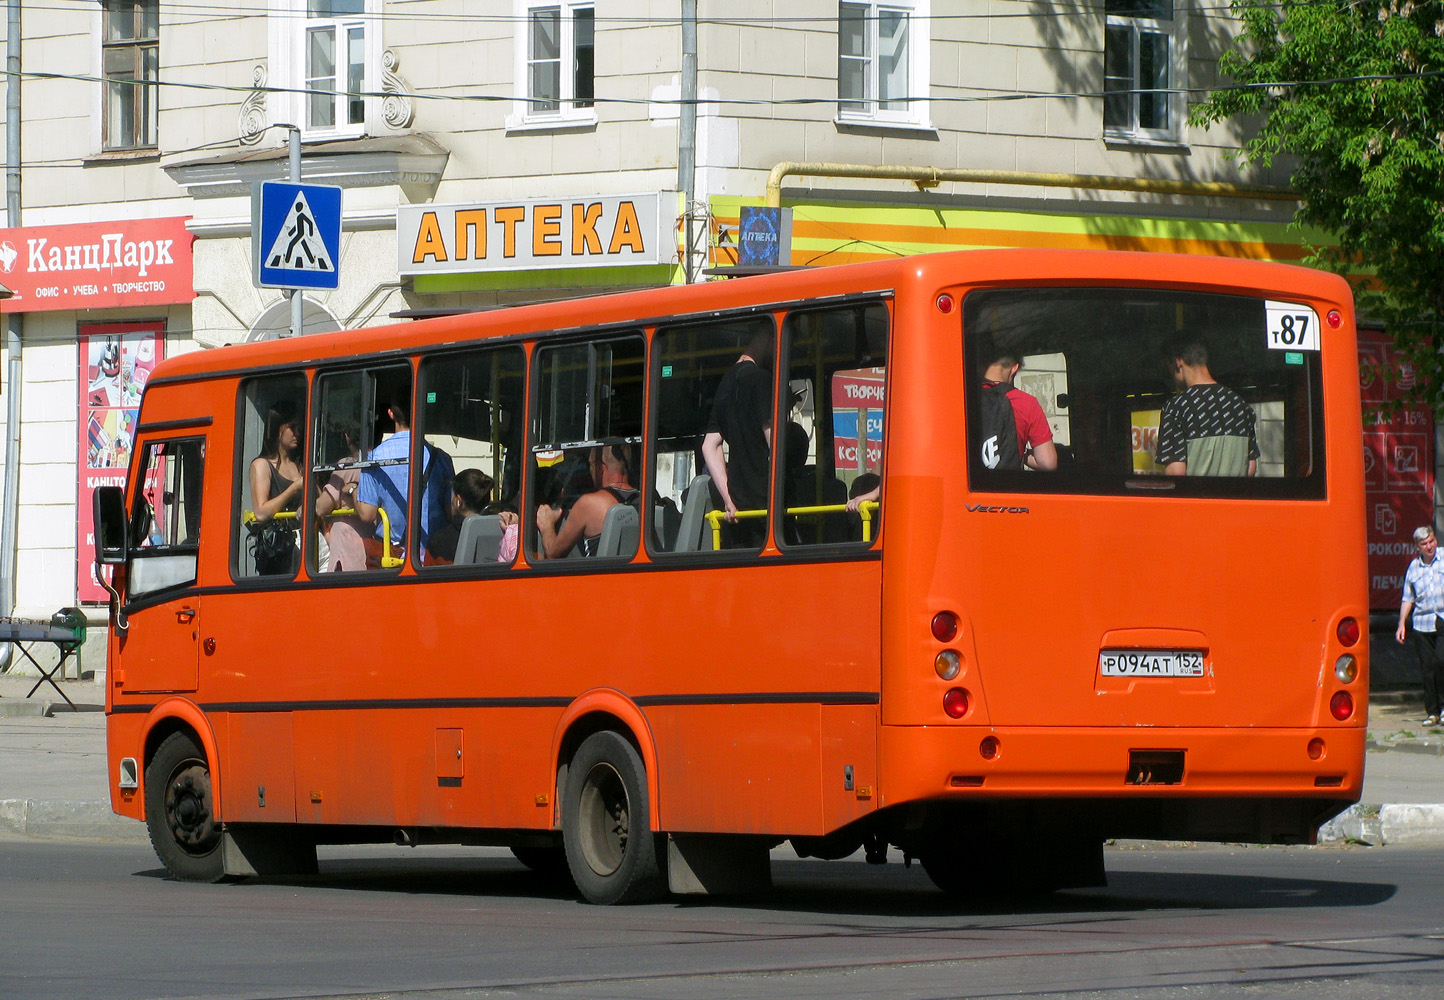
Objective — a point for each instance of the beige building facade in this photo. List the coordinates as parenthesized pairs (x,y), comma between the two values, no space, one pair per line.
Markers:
(516,117)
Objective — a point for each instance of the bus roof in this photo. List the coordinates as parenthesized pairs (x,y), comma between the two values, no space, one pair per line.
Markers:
(654,304)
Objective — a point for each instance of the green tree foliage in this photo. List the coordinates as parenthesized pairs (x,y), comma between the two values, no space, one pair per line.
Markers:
(1354,92)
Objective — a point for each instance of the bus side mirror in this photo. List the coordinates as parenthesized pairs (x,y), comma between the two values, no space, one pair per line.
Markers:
(111,543)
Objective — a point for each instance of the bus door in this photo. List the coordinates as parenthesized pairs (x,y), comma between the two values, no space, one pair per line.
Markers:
(164,544)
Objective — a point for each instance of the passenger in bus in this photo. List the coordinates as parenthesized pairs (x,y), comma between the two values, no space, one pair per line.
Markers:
(1035,435)
(389,485)
(865,488)
(1207,429)
(806,486)
(276,476)
(470,492)
(345,550)
(612,468)
(742,419)
(1422,610)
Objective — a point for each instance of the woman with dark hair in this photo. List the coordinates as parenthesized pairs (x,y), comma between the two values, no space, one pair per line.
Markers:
(277,480)
(470,492)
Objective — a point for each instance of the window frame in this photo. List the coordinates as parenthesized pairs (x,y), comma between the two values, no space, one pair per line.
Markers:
(1156,487)
(571,112)
(144,94)
(917,113)
(1173,29)
(289,26)
(175,552)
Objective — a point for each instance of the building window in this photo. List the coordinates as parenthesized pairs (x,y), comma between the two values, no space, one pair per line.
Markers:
(882,62)
(556,65)
(130,56)
(325,56)
(335,65)
(1140,54)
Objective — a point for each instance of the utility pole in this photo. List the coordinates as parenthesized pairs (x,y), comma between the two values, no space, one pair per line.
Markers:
(687,131)
(293,150)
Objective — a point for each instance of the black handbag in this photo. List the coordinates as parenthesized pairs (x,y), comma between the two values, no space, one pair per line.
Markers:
(273,545)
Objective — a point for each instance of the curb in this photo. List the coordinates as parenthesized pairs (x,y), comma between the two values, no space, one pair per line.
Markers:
(82,820)
(1386,825)
(1429,746)
(12,708)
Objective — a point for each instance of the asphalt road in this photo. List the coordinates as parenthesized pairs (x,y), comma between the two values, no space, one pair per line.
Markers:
(86,920)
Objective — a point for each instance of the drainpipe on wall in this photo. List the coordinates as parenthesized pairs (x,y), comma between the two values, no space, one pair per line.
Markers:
(10,511)
(931,176)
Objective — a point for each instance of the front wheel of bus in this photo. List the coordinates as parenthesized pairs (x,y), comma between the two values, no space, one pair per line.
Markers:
(180,811)
(606,823)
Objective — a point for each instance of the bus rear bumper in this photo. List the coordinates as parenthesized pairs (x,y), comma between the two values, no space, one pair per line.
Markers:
(929,763)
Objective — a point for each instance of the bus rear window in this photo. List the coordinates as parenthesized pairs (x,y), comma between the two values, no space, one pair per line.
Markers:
(1142,391)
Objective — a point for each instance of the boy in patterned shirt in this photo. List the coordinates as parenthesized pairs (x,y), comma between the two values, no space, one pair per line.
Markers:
(1208,429)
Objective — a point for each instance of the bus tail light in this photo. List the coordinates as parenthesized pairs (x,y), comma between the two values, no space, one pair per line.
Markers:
(1335,318)
(1346,668)
(948,664)
(955,703)
(945,626)
(1342,705)
(1348,632)
(945,304)
(1316,749)
(988,749)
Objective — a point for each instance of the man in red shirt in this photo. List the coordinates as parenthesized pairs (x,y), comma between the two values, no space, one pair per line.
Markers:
(1035,436)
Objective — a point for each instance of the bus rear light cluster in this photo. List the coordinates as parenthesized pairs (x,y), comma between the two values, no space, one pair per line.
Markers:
(1346,668)
(1341,705)
(988,748)
(1317,749)
(945,626)
(1348,632)
(955,702)
(947,664)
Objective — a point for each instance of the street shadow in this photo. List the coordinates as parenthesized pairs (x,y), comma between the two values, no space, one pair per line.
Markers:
(842,889)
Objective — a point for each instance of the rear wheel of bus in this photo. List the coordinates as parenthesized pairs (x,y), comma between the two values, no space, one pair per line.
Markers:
(180,811)
(611,850)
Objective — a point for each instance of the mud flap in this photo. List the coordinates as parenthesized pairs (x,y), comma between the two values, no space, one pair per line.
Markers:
(704,864)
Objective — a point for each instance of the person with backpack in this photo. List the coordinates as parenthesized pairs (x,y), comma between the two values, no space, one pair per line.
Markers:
(1032,433)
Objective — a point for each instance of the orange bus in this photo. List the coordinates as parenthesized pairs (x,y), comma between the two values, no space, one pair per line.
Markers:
(336,619)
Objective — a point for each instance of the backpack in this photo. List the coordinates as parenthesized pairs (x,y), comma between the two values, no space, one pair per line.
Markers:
(998,429)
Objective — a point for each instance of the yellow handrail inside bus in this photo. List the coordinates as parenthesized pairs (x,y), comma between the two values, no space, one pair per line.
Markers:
(388,561)
(865,509)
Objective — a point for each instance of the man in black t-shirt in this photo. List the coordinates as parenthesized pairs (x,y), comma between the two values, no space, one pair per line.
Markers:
(742,417)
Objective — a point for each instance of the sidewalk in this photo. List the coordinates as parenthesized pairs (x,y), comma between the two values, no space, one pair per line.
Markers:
(53,780)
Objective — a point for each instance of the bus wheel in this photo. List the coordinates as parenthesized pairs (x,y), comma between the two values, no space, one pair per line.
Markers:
(606,826)
(180,811)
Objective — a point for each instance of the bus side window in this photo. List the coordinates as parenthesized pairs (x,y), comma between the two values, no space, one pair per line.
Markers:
(471,407)
(165,522)
(585,450)
(831,447)
(690,365)
(271,484)
(361,479)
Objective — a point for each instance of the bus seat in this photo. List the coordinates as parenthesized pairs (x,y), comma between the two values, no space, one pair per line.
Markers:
(621,530)
(694,535)
(480,539)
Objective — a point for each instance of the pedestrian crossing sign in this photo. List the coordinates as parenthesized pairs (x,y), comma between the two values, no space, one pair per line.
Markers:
(296,233)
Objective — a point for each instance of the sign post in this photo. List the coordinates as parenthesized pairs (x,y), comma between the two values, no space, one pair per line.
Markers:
(296,233)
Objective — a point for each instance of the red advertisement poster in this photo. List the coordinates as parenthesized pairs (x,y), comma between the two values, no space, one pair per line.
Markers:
(115,362)
(97,265)
(857,399)
(1398,467)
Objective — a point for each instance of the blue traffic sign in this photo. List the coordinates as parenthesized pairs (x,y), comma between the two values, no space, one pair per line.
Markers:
(296,232)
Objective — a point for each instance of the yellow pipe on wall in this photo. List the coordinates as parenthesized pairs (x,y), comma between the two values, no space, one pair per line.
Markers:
(1094,182)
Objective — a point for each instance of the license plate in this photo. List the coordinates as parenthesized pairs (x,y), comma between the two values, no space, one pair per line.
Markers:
(1150,663)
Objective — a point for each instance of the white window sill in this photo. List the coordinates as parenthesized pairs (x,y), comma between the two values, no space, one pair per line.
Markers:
(922,128)
(579,122)
(1124,141)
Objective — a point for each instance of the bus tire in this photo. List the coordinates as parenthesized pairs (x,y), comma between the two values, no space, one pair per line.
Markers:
(180,811)
(606,823)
